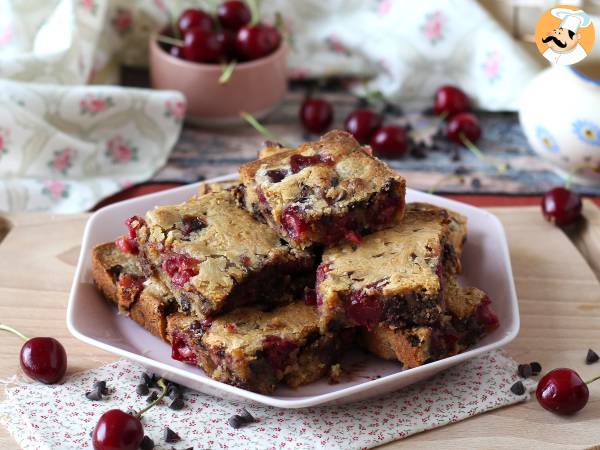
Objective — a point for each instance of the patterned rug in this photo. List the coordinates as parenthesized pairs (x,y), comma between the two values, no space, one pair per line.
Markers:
(436,164)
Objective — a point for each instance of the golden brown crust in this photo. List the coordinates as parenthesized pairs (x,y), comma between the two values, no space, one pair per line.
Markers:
(149,308)
(343,176)
(218,186)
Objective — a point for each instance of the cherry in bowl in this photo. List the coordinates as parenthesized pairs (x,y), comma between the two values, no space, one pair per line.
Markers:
(195,18)
(258,41)
(233,14)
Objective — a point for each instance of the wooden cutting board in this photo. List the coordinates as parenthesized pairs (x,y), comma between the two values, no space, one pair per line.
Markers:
(559,298)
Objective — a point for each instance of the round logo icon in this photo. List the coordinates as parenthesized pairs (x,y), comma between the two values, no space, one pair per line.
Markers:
(564,35)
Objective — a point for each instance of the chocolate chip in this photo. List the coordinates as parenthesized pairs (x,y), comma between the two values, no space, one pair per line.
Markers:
(276,175)
(142,389)
(192,223)
(591,357)
(236,421)
(101,384)
(524,370)
(170,436)
(95,394)
(152,397)
(173,392)
(147,443)
(536,368)
(476,183)
(145,378)
(176,404)
(249,418)
(518,388)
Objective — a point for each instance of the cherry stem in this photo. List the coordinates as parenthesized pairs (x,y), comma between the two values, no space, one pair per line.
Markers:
(592,380)
(500,167)
(227,72)
(169,40)
(261,128)
(254,13)
(443,179)
(13,331)
(163,386)
(174,26)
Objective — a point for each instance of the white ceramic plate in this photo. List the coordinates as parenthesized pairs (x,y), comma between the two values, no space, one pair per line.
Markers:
(91,319)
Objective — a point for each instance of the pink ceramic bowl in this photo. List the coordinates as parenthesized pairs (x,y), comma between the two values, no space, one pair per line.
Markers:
(255,86)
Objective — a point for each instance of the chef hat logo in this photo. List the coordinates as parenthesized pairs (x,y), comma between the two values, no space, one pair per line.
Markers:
(565,35)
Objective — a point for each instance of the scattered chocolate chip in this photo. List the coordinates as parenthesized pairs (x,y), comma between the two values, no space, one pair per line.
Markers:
(173,392)
(249,418)
(591,357)
(147,443)
(189,448)
(461,170)
(142,389)
(476,183)
(170,436)
(536,368)
(236,421)
(152,397)
(176,404)
(524,370)
(145,378)
(518,388)
(102,386)
(94,394)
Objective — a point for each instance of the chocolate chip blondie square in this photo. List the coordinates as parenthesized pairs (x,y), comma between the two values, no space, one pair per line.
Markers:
(118,276)
(215,257)
(254,349)
(395,277)
(469,317)
(323,192)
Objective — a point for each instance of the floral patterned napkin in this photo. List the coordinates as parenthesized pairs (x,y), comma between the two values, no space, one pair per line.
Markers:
(62,149)
(52,417)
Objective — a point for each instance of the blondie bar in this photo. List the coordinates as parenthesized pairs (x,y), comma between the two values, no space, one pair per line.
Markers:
(255,349)
(395,276)
(215,257)
(323,192)
(469,317)
(119,278)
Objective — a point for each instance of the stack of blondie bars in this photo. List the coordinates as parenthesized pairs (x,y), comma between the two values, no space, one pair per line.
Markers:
(269,279)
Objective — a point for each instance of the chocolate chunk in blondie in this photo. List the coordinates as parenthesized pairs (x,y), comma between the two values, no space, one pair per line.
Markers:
(323,192)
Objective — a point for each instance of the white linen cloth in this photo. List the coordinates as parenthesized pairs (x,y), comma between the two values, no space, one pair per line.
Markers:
(406,49)
(51,417)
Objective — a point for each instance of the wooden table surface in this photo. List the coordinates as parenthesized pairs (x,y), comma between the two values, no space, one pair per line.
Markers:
(557,285)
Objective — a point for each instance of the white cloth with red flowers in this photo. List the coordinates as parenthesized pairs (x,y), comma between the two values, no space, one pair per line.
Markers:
(62,149)
(60,417)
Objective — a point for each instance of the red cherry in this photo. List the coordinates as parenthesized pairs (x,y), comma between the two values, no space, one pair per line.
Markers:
(561,206)
(450,100)
(362,123)
(43,359)
(389,141)
(227,40)
(195,18)
(117,430)
(463,124)
(201,46)
(316,114)
(233,14)
(257,41)
(562,391)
